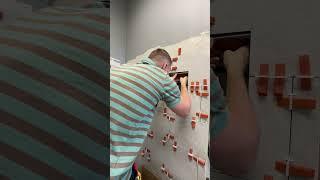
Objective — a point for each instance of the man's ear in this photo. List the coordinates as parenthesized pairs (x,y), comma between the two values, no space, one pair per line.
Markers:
(165,65)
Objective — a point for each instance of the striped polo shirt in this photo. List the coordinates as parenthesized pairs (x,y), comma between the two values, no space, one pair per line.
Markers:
(53,84)
(135,91)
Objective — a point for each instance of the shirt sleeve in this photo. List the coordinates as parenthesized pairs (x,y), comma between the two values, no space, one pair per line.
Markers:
(218,108)
(171,92)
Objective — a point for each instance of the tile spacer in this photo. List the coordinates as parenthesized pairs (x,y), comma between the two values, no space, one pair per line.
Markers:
(192,87)
(278,83)
(268,177)
(201,162)
(164,140)
(175,59)
(174,146)
(151,135)
(164,111)
(262,82)
(173,68)
(179,51)
(193,122)
(163,169)
(304,67)
(190,154)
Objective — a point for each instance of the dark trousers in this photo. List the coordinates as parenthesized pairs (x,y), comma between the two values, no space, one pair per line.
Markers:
(133,174)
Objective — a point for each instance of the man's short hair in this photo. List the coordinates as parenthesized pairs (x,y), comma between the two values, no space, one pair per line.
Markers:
(160,54)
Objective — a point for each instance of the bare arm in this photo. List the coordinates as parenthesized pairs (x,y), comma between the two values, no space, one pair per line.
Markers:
(183,108)
(234,150)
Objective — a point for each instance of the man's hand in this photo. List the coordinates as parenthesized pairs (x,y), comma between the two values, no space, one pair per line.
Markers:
(183,81)
(183,108)
(236,61)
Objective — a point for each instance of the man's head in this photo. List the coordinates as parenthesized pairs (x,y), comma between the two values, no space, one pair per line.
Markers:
(162,58)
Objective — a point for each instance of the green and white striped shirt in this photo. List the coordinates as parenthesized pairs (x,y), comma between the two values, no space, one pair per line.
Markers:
(135,91)
(53,84)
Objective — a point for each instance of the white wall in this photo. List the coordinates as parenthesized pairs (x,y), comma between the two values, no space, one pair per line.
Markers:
(118,29)
(195,58)
(163,22)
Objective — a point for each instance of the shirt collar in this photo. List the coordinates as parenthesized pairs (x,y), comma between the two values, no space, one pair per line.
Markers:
(147,61)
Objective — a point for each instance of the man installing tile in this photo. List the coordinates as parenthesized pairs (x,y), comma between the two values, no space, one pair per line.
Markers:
(135,91)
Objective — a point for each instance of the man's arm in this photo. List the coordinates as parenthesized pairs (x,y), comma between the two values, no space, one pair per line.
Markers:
(183,108)
(234,149)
